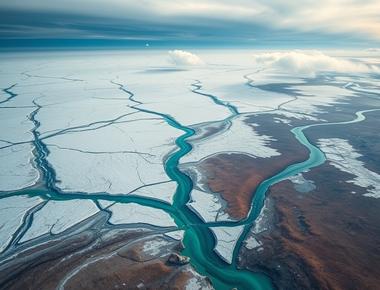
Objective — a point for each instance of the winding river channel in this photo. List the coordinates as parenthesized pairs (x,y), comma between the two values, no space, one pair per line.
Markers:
(199,241)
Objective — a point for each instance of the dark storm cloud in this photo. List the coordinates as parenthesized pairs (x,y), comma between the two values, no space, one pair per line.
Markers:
(251,21)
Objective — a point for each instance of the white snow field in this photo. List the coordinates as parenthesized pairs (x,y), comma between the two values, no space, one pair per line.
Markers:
(116,159)
(240,137)
(208,206)
(16,167)
(133,213)
(105,122)
(57,216)
(342,155)
(226,239)
(13,210)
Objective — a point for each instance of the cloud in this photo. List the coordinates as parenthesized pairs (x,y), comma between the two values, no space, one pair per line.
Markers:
(373,49)
(349,17)
(309,63)
(184,58)
(317,21)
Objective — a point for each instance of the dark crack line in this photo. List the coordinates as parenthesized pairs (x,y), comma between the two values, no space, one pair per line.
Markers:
(104,123)
(250,84)
(10,93)
(25,225)
(17,107)
(49,77)
(101,152)
(8,142)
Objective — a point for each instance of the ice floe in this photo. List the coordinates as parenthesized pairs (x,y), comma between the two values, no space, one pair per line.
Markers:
(301,184)
(162,191)
(133,213)
(176,235)
(342,155)
(226,239)
(208,206)
(57,216)
(15,125)
(154,247)
(262,221)
(197,281)
(252,243)
(13,211)
(116,159)
(316,97)
(176,99)
(232,87)
(293,115)
(240,137)
(16,169)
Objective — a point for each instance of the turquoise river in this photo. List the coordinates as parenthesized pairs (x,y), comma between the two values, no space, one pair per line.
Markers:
(199,241)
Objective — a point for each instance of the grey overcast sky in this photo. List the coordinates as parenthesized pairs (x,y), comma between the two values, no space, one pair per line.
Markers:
(343,23)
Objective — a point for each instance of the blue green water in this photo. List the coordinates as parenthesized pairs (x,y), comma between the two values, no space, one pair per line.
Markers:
(199,242)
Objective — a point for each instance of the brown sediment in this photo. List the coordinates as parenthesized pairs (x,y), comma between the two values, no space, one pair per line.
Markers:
(121,274)
(235,176)
(99,259)
(326,239)
(329,237)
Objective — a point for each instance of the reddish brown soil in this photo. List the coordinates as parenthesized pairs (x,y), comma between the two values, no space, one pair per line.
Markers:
(87,260)
(236,176)
(326,239)
(119,273)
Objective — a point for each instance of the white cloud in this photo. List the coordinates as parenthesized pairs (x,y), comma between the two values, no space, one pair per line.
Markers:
(309,63)
(184,58)
(338,16)
(351,17)
(373,49)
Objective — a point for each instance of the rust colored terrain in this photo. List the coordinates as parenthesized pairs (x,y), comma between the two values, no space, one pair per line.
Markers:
(329,237)
(325,239)
(119,259)
(236,176)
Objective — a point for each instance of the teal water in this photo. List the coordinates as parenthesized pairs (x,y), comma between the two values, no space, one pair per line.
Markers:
(199,241)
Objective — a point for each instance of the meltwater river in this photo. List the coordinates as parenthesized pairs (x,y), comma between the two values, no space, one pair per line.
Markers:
(198,240)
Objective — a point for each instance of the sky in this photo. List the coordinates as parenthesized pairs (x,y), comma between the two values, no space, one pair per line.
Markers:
(252,23)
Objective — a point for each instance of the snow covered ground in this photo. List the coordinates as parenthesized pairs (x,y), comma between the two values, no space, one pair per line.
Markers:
(13,211)
(316,97)
(176,235)
(208,206)
(16,167)
(57,216)
(116,159)
(226,239)
(301,184)
(252,243)
(342,155)
(240,137)
(85,108)
(133,213)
